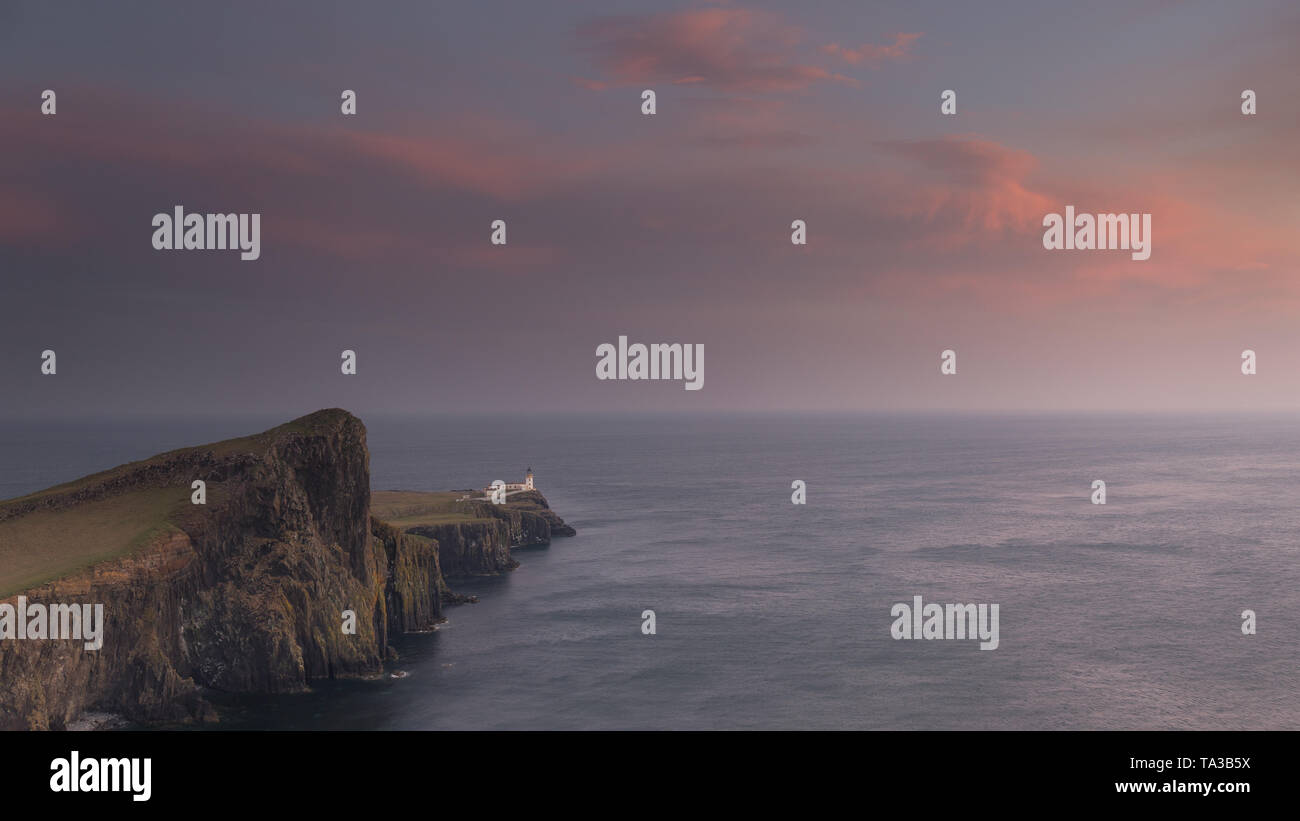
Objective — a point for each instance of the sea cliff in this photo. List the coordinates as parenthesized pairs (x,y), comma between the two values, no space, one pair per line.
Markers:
(245,593)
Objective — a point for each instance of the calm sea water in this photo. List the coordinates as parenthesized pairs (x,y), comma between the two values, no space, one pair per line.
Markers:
(772,615)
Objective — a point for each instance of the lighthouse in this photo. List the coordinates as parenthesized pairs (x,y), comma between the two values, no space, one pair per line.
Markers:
(528,480)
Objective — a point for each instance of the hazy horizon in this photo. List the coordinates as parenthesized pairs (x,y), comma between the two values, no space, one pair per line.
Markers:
(274,417)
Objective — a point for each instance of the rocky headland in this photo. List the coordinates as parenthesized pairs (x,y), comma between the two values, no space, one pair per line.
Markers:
(247,592)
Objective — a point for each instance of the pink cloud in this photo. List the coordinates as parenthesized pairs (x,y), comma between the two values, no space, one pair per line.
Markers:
(732,48)
(977,185)
(873,53)
(449,163)
(290,170)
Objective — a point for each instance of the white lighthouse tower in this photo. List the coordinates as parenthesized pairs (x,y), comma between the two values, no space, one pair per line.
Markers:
(528,480)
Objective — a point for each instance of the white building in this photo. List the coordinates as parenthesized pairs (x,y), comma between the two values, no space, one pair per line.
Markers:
(515,487)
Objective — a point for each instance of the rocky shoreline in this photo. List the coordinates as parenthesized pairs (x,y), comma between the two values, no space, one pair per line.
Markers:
(249,592)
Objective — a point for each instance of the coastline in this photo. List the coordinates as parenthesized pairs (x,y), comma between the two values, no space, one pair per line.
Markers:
(283,575)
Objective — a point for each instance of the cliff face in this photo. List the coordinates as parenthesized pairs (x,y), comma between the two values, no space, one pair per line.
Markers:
(481,546)
(283,550)
(416,588)
(474,536)
(48,683)
(533,507)
(246,592)
(476,548)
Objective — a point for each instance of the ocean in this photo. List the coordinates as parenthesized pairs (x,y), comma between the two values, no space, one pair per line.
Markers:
(773,615)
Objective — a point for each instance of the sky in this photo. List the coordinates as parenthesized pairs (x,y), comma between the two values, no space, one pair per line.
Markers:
(924,230)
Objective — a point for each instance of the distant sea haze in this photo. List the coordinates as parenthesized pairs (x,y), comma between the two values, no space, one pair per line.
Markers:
(773,615)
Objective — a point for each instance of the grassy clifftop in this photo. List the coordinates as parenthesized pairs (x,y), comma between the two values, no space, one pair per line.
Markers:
(49,544)
(407,508)
(64,529)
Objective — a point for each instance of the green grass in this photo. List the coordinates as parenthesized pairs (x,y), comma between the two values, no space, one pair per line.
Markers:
(45,545)
(51,544)
(408,508)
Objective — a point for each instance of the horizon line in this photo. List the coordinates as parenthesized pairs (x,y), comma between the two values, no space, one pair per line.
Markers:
(288,415)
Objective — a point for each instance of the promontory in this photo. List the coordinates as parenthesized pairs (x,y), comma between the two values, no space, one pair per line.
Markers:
(253,590)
